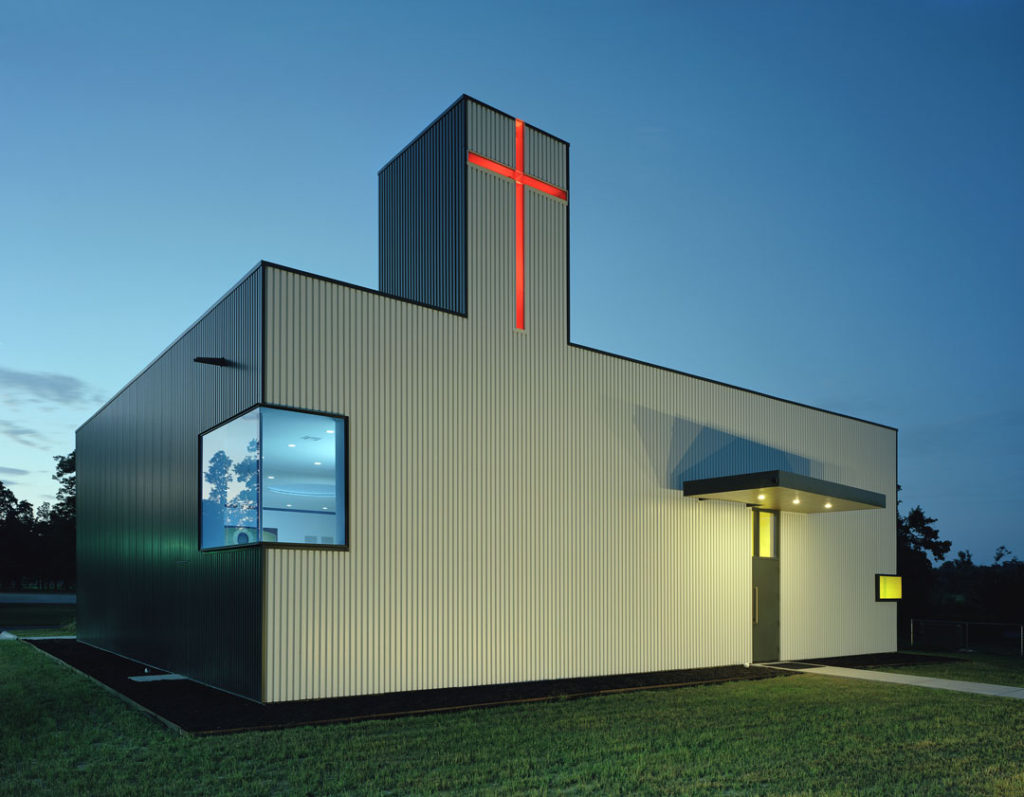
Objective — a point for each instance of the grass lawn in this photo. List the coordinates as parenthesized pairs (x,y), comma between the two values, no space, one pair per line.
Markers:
(987,668)
(62,734)
(17,616)
(68,629)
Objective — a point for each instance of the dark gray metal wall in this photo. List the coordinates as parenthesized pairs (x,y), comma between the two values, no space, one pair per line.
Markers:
(145,590)
(422,216)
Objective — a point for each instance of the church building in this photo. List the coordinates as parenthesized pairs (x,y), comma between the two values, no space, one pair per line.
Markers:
(320,490)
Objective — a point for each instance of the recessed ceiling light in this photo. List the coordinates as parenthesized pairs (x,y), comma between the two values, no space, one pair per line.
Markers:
(828,505)
(761,497)
(271,477)
(796,500)
(325,507)
(287,504)
(330,431)
(291,445)
(318,463)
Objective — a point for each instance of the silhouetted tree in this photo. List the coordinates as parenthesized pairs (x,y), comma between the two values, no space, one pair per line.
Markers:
(67,492)
(44,512)
(19,549)
(917,541)
(57,530)
(915,532)
(1002,552)
(37,548)
(985,593)
(1006,585)
(958,589)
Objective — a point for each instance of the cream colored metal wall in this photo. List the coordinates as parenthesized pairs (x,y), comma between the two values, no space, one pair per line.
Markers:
(514,511)
(828,565)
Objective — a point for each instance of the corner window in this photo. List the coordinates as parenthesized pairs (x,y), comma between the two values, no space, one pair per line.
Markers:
(274,476)
(765,540)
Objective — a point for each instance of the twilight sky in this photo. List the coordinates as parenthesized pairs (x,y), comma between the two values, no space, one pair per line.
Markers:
(820,201)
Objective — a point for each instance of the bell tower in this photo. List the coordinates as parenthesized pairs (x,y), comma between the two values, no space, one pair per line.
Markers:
(433,244)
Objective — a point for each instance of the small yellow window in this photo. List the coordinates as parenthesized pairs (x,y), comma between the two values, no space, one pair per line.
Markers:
(888,588)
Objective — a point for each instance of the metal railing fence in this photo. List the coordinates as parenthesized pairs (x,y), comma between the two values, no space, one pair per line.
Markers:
(967,635)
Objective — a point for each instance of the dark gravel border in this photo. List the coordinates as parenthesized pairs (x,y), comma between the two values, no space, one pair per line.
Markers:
(869,660)
(193,708)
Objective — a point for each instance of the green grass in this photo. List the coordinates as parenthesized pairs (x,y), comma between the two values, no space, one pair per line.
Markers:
(17,616)
(987,668)
(62,734)
(68,629)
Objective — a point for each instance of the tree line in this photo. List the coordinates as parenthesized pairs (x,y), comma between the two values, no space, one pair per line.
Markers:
(958,588)
(37,546)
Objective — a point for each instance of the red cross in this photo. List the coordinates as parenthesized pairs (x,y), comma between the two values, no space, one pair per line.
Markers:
(522,179)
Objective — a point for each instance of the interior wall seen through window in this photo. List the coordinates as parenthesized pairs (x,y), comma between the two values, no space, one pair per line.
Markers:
(303,496)
(274,475)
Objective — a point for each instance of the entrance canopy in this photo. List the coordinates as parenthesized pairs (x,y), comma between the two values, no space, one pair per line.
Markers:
(789,492)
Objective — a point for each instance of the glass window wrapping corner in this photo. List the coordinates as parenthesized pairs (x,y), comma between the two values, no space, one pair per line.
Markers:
(274,476)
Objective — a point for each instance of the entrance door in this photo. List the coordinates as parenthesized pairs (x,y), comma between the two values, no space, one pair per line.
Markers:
(765,592)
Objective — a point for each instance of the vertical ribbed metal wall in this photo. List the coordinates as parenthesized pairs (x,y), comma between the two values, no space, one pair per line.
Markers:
(144,589)
(422,218)
(515,510)
(546,157)
(491,133)
(514,504)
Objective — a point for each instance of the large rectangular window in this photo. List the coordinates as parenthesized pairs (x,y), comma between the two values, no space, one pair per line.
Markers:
(276,476)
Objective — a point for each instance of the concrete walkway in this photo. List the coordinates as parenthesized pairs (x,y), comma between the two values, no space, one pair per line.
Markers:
(994,690)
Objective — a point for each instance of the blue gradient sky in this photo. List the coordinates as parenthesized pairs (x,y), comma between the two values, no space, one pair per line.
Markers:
(821,201)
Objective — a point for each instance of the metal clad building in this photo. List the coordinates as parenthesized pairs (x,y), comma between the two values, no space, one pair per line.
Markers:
(145,590)
(510,506)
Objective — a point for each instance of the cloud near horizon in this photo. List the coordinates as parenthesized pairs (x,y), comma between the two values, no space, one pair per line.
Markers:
(13,471)
(21,434)
(43,388)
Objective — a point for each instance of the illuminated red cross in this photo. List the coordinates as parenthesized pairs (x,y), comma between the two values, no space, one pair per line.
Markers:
(522,179)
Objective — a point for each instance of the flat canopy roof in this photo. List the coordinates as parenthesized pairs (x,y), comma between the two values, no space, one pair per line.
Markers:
(789,492)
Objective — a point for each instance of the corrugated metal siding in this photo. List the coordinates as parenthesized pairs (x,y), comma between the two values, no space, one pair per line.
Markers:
(515,502)
(514,511)
(827,571)
(145,591)
(546,157)
(491,134)
(546,231)
(468,562)
(422,232)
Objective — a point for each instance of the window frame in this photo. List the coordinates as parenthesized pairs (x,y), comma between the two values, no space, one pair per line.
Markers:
(302,546)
